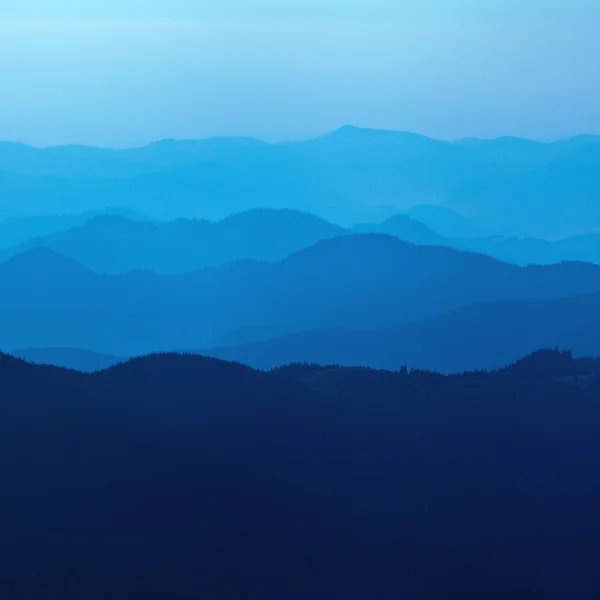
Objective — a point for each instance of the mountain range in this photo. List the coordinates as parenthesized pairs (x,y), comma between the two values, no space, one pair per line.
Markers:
(485,336)
(354,281)
(348,176)
(114,243)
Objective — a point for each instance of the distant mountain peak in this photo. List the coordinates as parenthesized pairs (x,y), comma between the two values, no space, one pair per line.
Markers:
(353,130)
(347,129)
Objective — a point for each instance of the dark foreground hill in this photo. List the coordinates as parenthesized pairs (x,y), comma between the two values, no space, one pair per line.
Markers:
(361,281)
(185,477)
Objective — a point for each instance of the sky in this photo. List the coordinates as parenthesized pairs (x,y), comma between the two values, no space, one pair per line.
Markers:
(126,72)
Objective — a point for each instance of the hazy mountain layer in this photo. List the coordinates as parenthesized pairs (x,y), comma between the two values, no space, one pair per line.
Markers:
(115,244)
(358,282)
(512,186)
(487,336)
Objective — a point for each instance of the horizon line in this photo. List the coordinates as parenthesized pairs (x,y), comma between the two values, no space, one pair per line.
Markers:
(284,139)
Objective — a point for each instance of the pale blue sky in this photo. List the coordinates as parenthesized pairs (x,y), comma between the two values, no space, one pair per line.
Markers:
(236,9)
(124,72)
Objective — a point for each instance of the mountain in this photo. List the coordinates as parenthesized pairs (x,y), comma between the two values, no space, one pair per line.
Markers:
(353,281)
(184,477)
(350,144)
(346,176)
(117,244)
(451,343)
(204,190)
(114,244)
(517,250)
(177,179)
(388,167)
(485,336)
(110,243)
(347,144)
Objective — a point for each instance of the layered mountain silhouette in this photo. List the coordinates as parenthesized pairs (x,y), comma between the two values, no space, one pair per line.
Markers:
(485,336)
(346,145)
(169,180)
(181,476)
(351,175)
(117,244)
(209,190)
(517,250)
(353,281)
(112,244)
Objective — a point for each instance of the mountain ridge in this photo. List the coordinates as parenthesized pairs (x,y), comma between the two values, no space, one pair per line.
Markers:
(359,281)
(478,337)
(339,176)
